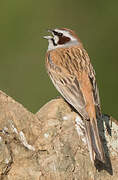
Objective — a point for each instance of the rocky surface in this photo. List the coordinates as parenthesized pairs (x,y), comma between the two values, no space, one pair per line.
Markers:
(50,145)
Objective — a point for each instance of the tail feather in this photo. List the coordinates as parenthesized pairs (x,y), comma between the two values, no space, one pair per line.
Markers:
(93,139)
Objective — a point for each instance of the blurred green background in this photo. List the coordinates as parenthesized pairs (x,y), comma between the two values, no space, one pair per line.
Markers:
(23,23)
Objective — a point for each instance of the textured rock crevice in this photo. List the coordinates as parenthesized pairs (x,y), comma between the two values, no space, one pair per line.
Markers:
(9,162)
(51,144)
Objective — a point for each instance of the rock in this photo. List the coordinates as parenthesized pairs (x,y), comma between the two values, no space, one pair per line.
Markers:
(51,144)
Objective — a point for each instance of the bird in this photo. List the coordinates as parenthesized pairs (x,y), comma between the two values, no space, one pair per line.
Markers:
(70,69)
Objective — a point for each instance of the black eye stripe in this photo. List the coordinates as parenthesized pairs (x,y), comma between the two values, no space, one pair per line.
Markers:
(57,33)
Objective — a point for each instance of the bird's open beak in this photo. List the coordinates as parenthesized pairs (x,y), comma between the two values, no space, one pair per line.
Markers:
(47,37)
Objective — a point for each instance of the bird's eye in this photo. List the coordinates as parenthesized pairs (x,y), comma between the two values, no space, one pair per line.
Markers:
(55,33)
(60,34)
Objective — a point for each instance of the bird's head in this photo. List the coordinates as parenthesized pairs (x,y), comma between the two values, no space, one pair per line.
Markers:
(62,38)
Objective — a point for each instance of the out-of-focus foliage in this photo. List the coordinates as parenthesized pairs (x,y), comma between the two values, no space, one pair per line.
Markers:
(22,47)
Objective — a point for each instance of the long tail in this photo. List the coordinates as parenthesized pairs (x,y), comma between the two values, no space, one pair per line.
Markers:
(93,139)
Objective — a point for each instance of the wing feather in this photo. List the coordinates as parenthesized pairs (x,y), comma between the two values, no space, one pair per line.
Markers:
(69,87)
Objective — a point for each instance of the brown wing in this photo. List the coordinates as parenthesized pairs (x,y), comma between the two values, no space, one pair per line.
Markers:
(68,86)
(73,76)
